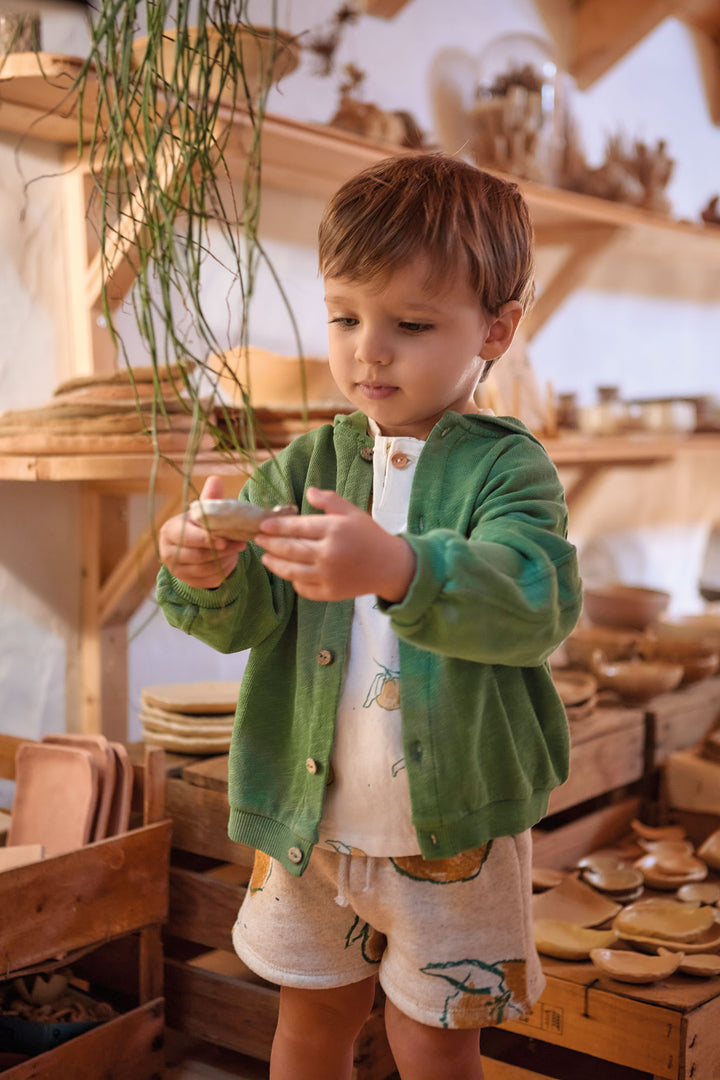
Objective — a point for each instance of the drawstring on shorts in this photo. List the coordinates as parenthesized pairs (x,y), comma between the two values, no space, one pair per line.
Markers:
(343,880)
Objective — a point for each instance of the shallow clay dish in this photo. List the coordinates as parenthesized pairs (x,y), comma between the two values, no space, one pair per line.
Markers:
(632,967)
(699,661)
(574,901)
(104,758)
(709,850)
(703,892)
(231,519)
(544,877)
(637,681)
(55,800)
(616,882)
(657,832)
(196,697)
(574,687)
(626,606)
(613,642)
(568,941)
(670,871)
(704,628)
(704,965)
(665,919)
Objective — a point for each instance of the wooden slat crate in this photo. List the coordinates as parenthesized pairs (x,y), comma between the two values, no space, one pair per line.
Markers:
(62,909)
(209,993)
(680,720)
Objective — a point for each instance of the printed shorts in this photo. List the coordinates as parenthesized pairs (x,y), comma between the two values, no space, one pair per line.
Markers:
(451,940)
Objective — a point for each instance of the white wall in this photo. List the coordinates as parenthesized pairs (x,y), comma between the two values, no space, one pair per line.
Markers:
(599,337)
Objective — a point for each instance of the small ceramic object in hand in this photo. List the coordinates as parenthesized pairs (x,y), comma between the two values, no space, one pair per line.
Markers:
(231,519)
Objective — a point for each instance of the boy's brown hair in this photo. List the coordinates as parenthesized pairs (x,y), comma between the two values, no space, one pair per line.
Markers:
(438,206)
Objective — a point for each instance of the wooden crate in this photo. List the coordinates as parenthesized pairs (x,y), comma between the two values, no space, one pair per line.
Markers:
(209,993)
(668,1030)
(58,911)
(680,720)
(607,752)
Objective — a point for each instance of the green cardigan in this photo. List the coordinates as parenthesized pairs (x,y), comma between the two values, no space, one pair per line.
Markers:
(496,589)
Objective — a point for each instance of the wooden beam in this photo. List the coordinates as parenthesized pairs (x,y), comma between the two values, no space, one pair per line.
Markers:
(606,30)
(133,575)
(707,47)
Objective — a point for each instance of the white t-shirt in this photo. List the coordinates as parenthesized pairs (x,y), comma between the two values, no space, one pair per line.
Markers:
(367,804)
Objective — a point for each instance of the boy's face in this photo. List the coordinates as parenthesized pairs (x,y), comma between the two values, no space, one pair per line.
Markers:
(404,352)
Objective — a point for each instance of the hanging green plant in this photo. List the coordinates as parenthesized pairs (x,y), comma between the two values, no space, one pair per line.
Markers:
(166,103)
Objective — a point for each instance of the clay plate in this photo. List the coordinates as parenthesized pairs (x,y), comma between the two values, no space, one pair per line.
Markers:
(613,643)
(567,941)
(574,901)
(626,606)
(119,819)
(56,790)
(664,919)
(104,757)
(231,519)
(197,697)
(670,871)
(632,967)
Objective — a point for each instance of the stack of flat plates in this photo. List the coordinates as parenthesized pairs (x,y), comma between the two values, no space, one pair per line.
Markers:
(189,718)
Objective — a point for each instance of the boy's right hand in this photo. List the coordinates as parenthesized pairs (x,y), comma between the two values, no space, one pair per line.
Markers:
(191,554)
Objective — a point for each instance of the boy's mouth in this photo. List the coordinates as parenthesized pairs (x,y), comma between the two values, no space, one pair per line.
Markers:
(376,391)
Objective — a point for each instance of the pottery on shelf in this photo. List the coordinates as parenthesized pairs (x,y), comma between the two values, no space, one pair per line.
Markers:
(576,902)
(698,660)
(709,850)
(613,642)
(567,940)
(657,832)
(545,877)
(702,892)
(56,790)
(627,606)
(668,871)
(658,917)
(704,965)
(632,967)
(704,628)
(636,681)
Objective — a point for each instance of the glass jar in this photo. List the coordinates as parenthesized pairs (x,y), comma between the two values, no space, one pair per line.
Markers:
(517,117)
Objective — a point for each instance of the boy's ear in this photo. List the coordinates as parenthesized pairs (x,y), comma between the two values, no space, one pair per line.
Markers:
(500,333)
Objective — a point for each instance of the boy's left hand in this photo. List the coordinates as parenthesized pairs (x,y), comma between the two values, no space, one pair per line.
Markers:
(337,555)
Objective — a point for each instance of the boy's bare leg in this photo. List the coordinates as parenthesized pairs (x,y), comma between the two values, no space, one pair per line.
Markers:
(317,1029)
(427,1053)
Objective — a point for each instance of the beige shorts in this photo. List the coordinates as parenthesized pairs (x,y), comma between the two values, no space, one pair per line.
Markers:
(450,939)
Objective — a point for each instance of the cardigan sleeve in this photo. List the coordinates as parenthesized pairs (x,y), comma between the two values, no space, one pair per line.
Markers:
(506,591)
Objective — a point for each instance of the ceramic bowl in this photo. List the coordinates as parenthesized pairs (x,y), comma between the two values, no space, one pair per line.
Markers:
(668,871)
(613,642)
(704,628)
(699,661)
(574,687)
(632,967)
(636,681)
(567,941)
(626,606)
(704,965)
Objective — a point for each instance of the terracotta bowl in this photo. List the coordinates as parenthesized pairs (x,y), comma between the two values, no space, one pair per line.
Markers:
(614,643)
(701,628)
(699,660)
(626,606)
(637,681)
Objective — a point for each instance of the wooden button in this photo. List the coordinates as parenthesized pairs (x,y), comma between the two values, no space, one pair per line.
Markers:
(312,766)
(295,855)
(324,657)
(400,460)
(366,453)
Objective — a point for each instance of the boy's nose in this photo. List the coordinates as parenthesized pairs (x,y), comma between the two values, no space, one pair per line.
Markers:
(373,349)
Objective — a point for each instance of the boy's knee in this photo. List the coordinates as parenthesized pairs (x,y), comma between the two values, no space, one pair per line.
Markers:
(339,1009)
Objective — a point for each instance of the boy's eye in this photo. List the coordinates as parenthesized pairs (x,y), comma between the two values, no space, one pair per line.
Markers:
(415,327)
(343,320)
